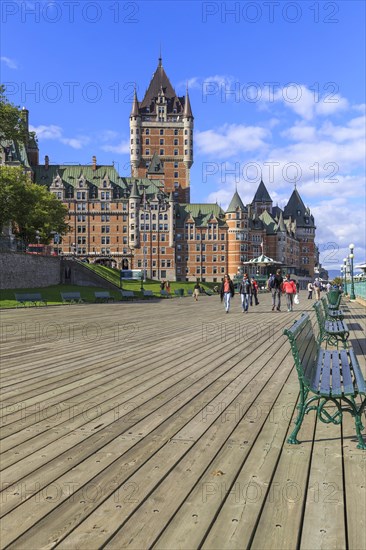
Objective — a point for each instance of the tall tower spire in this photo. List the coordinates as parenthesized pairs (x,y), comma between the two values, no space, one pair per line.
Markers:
(163,127)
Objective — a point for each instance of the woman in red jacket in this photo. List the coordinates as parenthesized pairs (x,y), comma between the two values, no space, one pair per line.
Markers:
(289,288)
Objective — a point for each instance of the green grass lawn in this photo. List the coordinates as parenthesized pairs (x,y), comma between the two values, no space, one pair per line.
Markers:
(52,294)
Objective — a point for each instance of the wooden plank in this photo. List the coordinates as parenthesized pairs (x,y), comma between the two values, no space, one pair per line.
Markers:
(324,514)
(190,525)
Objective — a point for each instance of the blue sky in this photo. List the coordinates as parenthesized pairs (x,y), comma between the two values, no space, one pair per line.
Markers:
(276,88)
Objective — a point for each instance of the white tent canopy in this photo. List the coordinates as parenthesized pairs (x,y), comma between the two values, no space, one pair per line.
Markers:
(262,260)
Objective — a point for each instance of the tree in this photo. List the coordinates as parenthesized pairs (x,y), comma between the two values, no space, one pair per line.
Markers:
(29,207)
(12,123)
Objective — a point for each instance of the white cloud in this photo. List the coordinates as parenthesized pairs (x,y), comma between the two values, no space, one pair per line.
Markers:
(215,85)
(10,63)
(47,132)
(55,132)
(231,139)
(107,135)
(305,102)
(122,148)
(76,143)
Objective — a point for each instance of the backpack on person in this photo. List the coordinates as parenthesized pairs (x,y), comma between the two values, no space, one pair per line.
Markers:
(272,282)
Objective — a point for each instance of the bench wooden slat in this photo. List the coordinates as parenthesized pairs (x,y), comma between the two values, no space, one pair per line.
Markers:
(359,379)
(325,375)
(314,382)
(346,374)
(336,376)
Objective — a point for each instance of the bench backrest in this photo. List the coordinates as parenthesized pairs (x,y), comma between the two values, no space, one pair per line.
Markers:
(70,295)
(164,293)
(148,293)
(320,318)
(127,293)
(325,306)
(304,347)
(102,294)
(36,297)
(334,297)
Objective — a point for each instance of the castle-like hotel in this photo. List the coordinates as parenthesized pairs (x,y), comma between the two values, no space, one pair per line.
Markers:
(148,220)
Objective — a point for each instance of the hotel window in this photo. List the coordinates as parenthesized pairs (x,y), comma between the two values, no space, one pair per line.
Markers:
(147,131)
(175,152)
(175,132)
(161,132)
(175,164)
(147,141)
(161,152)
(175,142)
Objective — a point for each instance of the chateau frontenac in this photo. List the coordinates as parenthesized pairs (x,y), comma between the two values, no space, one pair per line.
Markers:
(146,220)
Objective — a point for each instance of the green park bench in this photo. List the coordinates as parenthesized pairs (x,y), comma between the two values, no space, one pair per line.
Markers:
(148,294)
(333,303)
(332,332)
(34,299)
(179,292)
(334,298)
(331,314)
(165,294)
(103,297)
(127,294)
(329,376)
(71,298)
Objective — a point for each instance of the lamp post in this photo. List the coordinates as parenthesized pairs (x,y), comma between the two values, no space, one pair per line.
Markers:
(351,255)
(345,274)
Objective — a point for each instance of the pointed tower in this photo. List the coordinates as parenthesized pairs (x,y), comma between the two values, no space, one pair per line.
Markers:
(134,201)
(165,124)
(135,136)
(299,217)
(236,217)
(262,200)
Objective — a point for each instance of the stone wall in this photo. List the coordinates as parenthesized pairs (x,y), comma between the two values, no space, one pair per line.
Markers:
(27,271)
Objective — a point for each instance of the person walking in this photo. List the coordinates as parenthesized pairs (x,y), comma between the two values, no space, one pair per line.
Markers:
(254,291)
(227,292)
(196,291)
(317,288)
(289,288)
(310,291)
(274,285)
(245,291)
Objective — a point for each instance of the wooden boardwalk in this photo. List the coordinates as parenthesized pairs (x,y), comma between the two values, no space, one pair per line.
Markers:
(163,424)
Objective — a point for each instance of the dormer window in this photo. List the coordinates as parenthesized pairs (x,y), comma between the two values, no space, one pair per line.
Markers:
(299,212)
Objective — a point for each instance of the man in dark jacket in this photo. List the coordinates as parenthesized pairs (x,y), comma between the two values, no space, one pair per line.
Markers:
(275,286)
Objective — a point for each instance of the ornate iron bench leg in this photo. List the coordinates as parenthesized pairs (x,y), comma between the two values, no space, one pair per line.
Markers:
(358,423)
(300,417)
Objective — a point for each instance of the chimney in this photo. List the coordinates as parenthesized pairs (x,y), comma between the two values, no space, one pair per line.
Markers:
(46,162)
(94,162)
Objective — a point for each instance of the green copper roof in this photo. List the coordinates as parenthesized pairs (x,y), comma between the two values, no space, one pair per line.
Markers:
(156,165)
(201,214)
(268,222)
(236,203)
